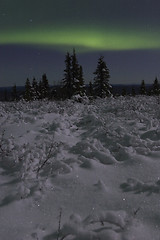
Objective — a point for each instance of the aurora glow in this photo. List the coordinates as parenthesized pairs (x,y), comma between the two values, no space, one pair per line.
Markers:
(83,40)
(126,32)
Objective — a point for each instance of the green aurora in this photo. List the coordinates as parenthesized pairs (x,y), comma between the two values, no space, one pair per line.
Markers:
(90,25)
(83,39)
(35,35)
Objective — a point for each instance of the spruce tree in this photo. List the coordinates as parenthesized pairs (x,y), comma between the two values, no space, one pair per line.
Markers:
(40,90)
(45,86)
(75,71)
(156,89)
(67,80)
(28,91)
(73,81)
(143,88)
(80,88)
(34,89)
(101,80)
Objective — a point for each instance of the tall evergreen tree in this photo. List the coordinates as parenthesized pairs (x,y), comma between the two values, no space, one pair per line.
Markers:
(40,90)
(101,80)
(67,80)
(45,86)
(28,91)
(73,81)
(143,88)
(75,71)
(156,89)
(34,89)
(80,87)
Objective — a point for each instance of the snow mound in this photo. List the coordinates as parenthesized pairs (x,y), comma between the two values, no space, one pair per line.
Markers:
(110,225)
(136,186)
(100,185)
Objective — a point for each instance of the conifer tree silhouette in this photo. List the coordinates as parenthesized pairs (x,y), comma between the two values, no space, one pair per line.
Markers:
(143,88)
(155,88)
(28,91)
(73,81)
(102,87)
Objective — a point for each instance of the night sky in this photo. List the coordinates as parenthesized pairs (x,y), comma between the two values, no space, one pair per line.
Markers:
(36,34)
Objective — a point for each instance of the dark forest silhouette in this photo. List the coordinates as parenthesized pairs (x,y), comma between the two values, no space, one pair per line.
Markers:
(72,84)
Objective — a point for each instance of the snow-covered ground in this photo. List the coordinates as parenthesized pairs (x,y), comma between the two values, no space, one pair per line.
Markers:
(80,171)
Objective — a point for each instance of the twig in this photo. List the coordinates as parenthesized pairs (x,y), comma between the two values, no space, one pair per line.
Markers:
(59,224)
(46,160)
(136,211)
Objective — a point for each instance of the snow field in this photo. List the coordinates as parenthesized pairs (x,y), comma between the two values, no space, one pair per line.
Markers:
(87,170)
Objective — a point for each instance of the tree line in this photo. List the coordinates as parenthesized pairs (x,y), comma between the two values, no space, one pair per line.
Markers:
(153,89)
(73,84)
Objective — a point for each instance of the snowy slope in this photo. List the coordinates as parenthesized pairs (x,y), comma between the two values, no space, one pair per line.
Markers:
(80,171)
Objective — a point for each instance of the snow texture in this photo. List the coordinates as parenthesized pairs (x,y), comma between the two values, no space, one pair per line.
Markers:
(80,170)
